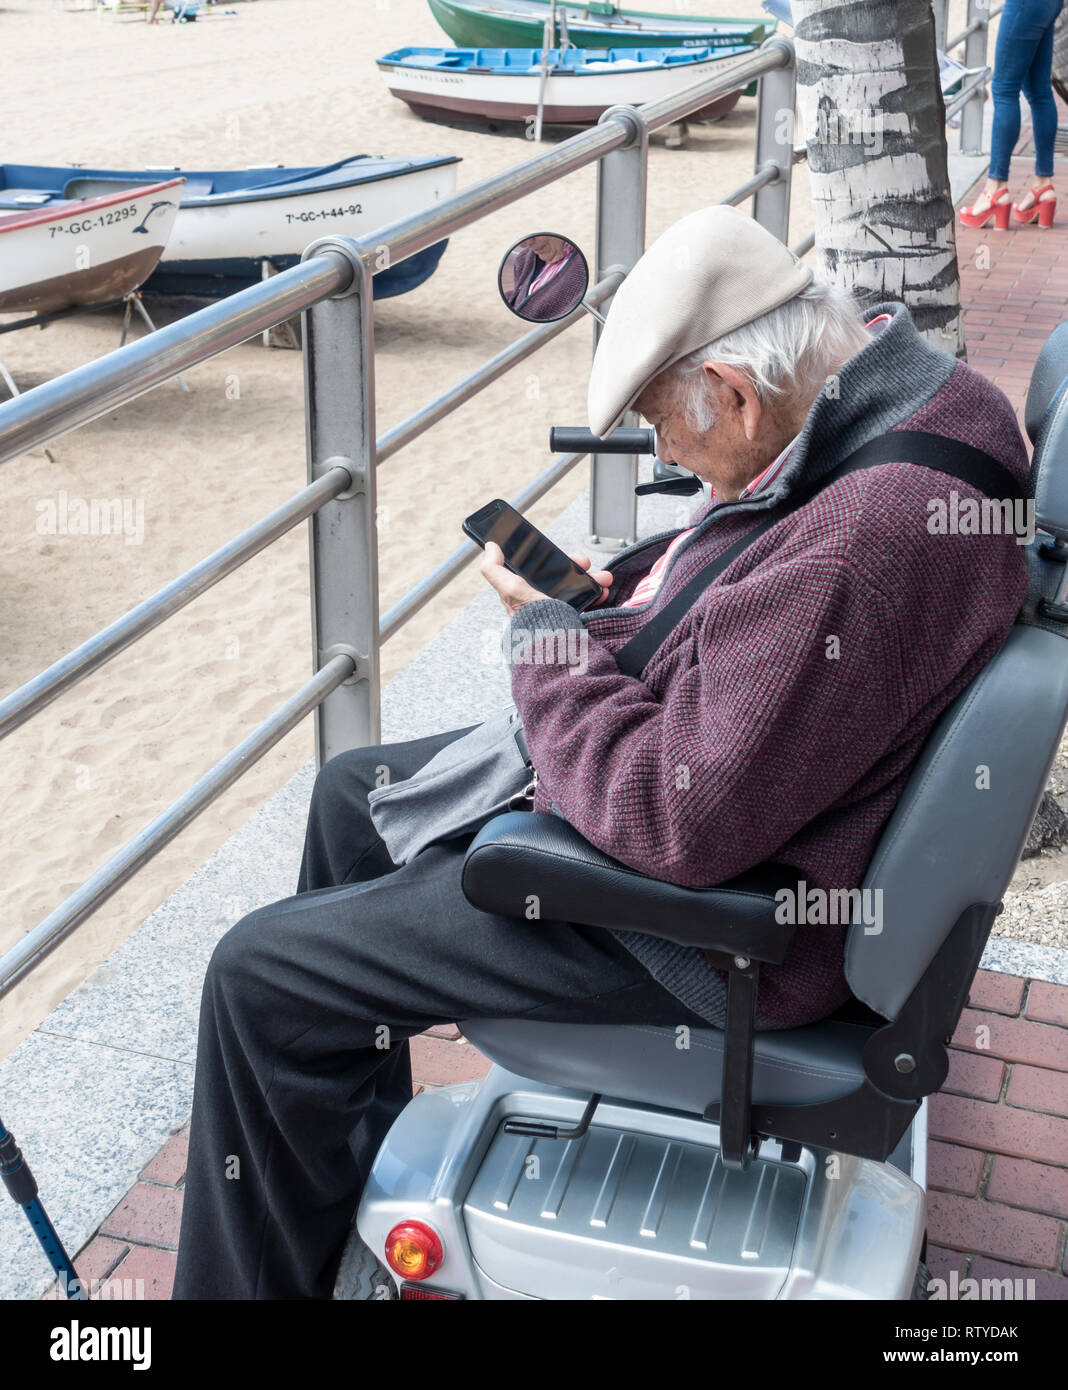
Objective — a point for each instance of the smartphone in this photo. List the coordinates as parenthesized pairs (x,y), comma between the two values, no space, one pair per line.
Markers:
(532,555)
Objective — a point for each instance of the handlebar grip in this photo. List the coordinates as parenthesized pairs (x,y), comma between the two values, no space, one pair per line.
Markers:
(571,439)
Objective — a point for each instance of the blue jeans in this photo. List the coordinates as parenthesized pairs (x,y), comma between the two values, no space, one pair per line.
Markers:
(1022,62)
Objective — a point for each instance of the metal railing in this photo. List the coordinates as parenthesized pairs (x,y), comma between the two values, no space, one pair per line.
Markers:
(975,37)
(332,289)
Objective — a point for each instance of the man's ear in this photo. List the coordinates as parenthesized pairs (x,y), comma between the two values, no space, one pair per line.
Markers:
(737,392)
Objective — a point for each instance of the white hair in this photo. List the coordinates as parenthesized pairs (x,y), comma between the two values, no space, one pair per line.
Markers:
(790,351)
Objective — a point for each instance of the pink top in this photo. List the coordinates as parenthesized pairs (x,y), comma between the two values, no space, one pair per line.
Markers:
(548,271)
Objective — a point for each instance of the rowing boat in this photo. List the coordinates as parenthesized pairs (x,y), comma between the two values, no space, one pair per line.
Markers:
(505,83)
(84,251)
(236,225)
(521,24)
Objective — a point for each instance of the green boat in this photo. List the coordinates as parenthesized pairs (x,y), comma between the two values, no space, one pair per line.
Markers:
(521,24)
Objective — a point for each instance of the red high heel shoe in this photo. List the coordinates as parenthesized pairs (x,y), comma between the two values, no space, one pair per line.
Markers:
(998,210)
(1042,208)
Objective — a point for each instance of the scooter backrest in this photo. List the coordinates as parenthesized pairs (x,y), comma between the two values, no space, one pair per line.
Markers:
(955,837)
(1049,483)
(1047,379)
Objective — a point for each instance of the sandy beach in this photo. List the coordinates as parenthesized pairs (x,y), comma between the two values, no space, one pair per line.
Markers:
(291,81)
(281,80)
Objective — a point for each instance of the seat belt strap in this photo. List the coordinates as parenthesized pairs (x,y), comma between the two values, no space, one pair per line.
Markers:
(949,456)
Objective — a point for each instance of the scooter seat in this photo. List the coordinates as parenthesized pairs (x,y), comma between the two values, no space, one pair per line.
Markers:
(671,1069)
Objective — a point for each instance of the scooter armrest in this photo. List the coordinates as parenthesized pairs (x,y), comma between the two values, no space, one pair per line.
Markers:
(522,854)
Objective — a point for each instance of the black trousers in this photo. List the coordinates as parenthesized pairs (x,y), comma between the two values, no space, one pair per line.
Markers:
(302,1061)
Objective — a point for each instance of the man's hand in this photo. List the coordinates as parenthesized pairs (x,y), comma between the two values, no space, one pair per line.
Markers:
(514,592)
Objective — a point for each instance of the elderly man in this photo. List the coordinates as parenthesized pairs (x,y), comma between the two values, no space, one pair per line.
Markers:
(777,722)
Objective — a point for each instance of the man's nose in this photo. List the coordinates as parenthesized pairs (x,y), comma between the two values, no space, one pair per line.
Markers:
(663,452)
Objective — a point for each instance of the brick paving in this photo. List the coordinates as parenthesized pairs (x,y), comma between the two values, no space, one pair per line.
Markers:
(998,1154)
(1014,286)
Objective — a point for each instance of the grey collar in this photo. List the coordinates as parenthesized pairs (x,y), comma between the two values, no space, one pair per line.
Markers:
(880,387)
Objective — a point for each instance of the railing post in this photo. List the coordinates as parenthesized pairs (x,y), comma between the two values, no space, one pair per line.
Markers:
(971,116)
(775,126)
(621,178)
(340,412)
(940,10)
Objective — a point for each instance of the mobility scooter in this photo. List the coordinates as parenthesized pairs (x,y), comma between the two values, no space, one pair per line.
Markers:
(613,1162)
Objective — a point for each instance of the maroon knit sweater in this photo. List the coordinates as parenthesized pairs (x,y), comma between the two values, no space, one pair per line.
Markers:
(555,298)
(751,736)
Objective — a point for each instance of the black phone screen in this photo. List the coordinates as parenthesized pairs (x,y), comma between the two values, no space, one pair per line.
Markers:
(532,555)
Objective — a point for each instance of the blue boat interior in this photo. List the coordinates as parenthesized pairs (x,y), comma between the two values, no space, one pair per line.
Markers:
(526,60)
(30,185)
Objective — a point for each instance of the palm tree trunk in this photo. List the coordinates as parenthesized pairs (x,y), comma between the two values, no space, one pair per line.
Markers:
(874,119)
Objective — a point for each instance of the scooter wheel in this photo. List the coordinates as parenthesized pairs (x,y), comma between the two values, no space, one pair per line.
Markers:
(920,1290)
(361,1277)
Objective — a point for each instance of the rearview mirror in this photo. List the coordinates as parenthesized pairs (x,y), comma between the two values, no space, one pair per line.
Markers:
(543,278)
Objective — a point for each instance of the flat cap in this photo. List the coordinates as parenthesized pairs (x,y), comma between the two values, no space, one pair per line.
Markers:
(707,275)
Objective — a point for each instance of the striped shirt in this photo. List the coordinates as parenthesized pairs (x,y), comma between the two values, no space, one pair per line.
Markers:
(548,272)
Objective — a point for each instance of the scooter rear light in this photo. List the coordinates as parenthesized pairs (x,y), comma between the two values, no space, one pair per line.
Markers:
(414,1250)
(414,1292)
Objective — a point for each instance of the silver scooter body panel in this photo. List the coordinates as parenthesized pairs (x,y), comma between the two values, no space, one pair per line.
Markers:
(640,1207)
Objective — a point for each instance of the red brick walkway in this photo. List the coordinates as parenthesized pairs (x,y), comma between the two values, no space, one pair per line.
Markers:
(1014,286)
(999,1139)
(998,1155)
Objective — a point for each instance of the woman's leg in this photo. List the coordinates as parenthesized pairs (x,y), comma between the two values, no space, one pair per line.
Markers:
(1038,89)
(1012,58)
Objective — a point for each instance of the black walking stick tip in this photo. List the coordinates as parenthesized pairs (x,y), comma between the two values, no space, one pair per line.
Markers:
(20,1183)
(13,1169)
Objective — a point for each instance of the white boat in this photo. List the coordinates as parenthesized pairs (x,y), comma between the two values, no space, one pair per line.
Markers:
(582,83)
(233,224)
(85,251)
